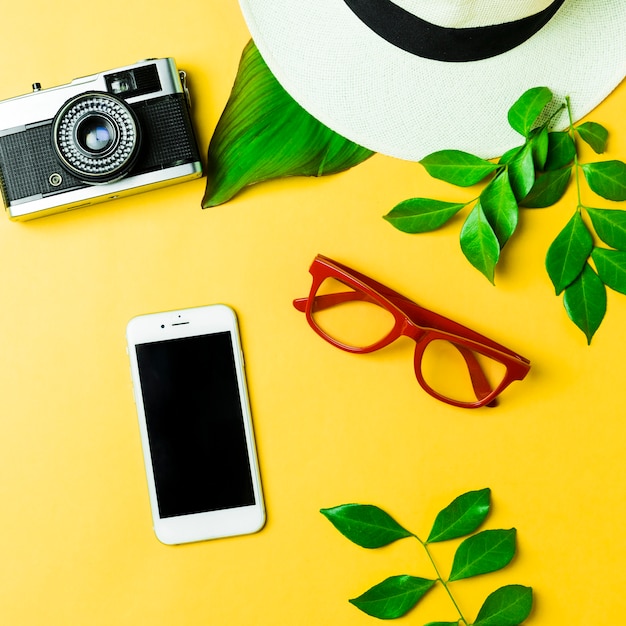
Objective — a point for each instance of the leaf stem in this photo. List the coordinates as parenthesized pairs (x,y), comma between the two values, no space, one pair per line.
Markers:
(556,112)
(441,579)
(572,134)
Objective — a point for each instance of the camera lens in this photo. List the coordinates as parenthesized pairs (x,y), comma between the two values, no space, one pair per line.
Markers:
(96,134)
(96,137)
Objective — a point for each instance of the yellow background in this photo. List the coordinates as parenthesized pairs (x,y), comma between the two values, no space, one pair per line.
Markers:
(76,544)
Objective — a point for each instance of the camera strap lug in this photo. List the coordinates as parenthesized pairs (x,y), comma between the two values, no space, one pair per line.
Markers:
(183,80)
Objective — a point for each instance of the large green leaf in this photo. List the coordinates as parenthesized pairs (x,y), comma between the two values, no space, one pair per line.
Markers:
(561,150)
(610,226)
(500,207)
(479,243)
(264,134)
(394,597)
(457,167)
(548,189)
(485,552)
(365,524)
(585,302)
(507,606)
(462,516)
(593,134)
(611,268)
(521,171)
(568,253)
(421,215)
(527,109)
(607,179)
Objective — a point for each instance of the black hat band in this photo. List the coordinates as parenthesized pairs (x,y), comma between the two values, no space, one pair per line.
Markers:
(440,43)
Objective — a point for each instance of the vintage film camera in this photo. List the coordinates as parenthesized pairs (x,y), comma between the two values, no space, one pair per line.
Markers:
(97,138)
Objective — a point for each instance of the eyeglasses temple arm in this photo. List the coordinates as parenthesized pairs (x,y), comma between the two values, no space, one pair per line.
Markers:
(481,385)
(300,304)
(429,319)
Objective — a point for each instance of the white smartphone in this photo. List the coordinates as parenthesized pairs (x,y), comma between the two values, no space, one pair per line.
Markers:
(196,430)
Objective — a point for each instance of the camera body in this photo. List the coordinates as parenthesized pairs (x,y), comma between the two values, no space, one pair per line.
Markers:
(98,138)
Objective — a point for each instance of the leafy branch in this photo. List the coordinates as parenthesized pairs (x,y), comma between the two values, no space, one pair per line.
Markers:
(536,174)
(480,553)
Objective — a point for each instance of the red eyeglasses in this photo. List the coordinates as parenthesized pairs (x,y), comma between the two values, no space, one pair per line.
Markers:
(452,363)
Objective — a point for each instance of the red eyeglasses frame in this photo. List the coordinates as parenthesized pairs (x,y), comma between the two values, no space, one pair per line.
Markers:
(415,322)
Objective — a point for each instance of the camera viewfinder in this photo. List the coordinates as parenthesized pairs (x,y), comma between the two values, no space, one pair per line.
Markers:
(122,83)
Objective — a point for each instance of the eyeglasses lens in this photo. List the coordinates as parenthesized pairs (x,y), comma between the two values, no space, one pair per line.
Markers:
(349,316)
(460,373)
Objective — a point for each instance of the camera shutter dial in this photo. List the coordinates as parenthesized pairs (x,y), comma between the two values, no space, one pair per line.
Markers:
(96,137)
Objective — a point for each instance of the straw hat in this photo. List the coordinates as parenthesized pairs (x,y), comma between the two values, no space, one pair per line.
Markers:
(408,77)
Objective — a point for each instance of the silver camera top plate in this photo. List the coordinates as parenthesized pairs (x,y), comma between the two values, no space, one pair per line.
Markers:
(42,104)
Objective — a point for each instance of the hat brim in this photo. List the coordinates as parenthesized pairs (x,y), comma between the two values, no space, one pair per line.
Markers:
(399,104)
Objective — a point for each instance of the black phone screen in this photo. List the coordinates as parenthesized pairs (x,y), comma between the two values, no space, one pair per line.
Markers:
(195,424)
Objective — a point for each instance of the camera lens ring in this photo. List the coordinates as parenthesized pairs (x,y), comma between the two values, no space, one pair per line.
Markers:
(96,137)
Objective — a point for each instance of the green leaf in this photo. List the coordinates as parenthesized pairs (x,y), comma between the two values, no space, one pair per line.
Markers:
(507,606)
(366,525)
(610,225)
(479,243)
(568,253)
(521,171)
(585,302)
(457,167)
(539,141)
(611,268)
(509,155)
(593,134)
(264,134)
(500,207)
(462,516)
(421,215)
(394,597)
(607,179)
(485,552)
(548,189)
(561,150)
(527,109)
